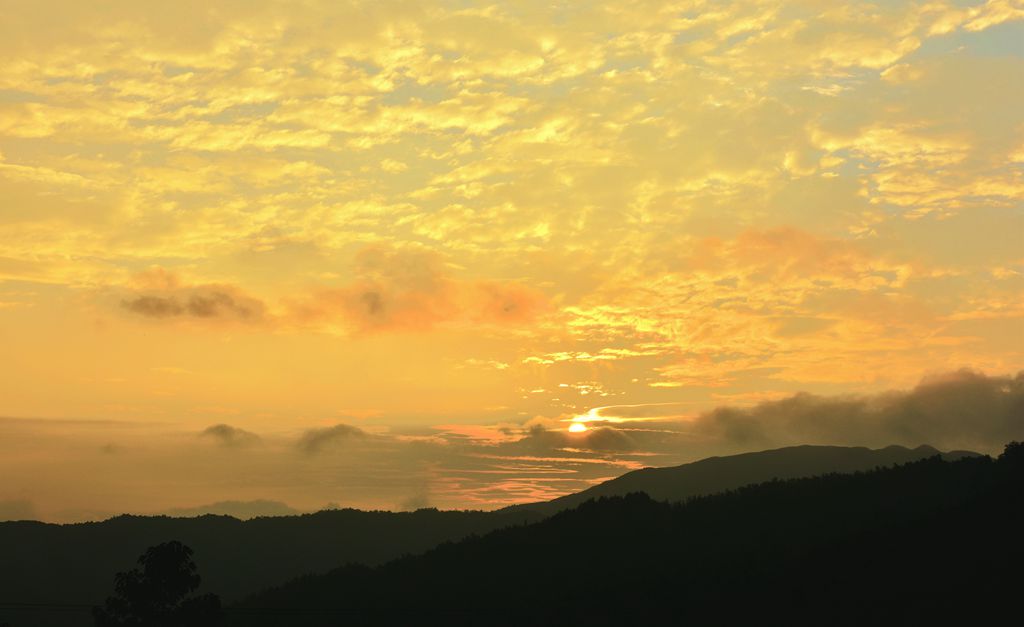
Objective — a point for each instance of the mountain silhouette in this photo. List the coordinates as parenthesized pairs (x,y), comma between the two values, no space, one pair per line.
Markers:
(928,542)
(75,564)
(717,474)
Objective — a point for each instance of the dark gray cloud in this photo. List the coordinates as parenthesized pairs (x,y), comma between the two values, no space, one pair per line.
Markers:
(202,302)
(220,304)
(153,306)
(964,409)
(315,440)
(230,436)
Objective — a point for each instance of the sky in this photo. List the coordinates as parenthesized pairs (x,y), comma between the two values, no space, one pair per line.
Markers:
(466,254)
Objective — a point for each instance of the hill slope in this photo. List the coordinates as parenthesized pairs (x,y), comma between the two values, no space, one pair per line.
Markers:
(717,474)
(930,541)
(45,563)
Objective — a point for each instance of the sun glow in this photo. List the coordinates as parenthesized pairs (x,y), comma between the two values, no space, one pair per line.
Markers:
(577,427)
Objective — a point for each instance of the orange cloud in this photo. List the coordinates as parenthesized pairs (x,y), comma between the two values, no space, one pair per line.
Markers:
(409,290)
(791,254)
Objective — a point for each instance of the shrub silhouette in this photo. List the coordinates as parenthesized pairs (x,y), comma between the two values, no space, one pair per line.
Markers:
(160,593)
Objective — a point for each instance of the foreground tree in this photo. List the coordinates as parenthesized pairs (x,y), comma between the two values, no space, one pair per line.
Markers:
(160,593)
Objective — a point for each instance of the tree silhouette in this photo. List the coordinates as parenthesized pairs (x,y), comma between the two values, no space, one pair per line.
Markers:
(1013,456)
(159,593)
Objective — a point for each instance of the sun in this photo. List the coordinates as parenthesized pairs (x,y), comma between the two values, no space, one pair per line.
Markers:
(577,427)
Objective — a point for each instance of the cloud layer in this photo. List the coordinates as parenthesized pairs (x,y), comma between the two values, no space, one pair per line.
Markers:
(470,466)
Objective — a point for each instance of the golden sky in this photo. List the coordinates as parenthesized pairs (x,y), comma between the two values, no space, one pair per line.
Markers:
(389,250)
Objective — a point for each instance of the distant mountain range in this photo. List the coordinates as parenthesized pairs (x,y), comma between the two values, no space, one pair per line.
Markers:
(717,474)
(46,563)
(242,510)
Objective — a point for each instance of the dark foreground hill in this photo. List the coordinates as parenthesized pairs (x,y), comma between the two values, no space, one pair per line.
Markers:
(717,474)
(929,542)
(75,564)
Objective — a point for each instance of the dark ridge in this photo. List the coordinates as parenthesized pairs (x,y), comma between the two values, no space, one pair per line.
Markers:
(716,474)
